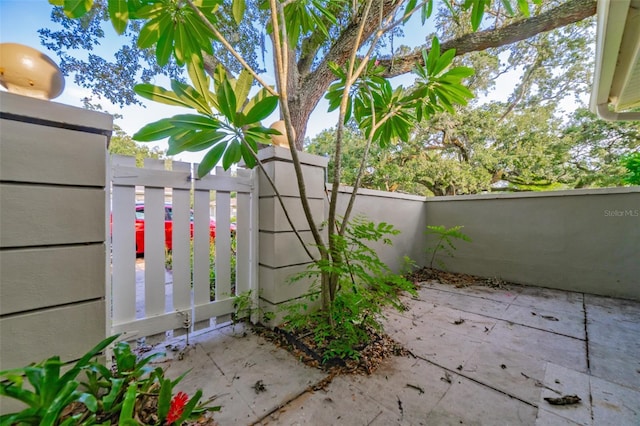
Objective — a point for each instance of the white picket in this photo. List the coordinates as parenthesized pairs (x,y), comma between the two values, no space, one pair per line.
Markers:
(154,245)
(181,244)
(123,244)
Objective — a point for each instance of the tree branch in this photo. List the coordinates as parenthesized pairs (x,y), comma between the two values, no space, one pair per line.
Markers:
(565,14)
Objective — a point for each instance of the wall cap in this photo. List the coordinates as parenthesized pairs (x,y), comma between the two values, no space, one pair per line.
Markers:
(275,153)
(541,194)
(54,114)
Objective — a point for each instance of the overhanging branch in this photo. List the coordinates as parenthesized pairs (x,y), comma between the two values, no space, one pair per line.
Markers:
(565,14)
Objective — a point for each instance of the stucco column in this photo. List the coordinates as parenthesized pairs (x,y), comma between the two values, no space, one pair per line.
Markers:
(280,253)
(53,228)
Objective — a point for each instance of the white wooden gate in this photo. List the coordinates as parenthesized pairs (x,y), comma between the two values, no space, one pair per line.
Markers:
(185,304)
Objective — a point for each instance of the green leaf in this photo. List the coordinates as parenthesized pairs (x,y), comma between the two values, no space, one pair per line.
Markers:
(227,100)
(89,401)
(109,399)
(164,399)
(507,6)
(477,13)
(181,45)
(411,4)
(262,110)
(150,33)
(155,131)
(195,68)
(191,96)
(433,56)
(523,5)
(164,48)
(211,159)
(443,62)
(194,122)
(77,8)
(128,404)
(119,14)
(159,94)
(238,8)
(232,155)
(242,88)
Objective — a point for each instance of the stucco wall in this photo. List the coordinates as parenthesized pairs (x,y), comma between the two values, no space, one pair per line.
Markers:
(580,240)
(405,212)
(52,230)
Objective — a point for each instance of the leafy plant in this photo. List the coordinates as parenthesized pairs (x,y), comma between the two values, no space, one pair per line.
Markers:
(129,392)
(631,162)
(445,241)
(51,392)
(366,286)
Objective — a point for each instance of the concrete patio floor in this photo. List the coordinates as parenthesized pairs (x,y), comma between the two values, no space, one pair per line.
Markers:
(480,356)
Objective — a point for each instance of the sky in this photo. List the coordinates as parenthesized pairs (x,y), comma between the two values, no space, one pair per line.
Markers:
(21,19)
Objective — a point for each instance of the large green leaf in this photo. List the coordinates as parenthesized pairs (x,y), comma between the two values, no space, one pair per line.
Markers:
(150,32)
(195,68)
(211,159)
(77,8)
(164,47)
(232,155)
(242,88)
(119,14)
(194,122)
(159,94)
(191,96)
(261,110)
(227,100)
(238,8)
(155,131)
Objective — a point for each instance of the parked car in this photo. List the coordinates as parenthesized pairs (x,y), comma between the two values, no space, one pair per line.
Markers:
(168,227)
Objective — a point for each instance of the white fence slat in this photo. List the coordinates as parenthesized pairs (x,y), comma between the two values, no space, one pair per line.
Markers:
(201,246)
(154,245)
(253,239)
(243,242)
(181,244)
(223,183)
(150,326)
(223,241)
(123,257)
(154,178)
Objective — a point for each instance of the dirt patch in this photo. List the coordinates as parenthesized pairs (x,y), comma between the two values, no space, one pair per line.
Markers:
(303,347)
(456,279)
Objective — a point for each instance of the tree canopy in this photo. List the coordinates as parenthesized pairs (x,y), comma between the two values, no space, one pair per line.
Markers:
(321,33)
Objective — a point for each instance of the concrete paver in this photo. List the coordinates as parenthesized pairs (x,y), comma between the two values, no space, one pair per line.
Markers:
(494,368)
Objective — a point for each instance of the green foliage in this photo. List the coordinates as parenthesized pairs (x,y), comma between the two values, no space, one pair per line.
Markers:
(228,123)
(366,284)
(122,144)
(52,391)
(632,163)
(106,396)
(445,241)
(385,114)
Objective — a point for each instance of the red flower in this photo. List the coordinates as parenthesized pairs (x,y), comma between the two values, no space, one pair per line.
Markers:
(177,407)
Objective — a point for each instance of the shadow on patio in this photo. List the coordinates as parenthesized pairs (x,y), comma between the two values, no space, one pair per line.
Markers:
(480,355)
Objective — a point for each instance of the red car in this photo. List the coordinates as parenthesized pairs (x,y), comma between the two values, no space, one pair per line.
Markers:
(168,227)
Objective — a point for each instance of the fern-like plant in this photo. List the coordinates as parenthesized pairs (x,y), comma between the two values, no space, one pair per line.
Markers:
(445,241)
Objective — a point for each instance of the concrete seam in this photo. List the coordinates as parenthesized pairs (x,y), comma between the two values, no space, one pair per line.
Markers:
(457,373)
(586,345)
